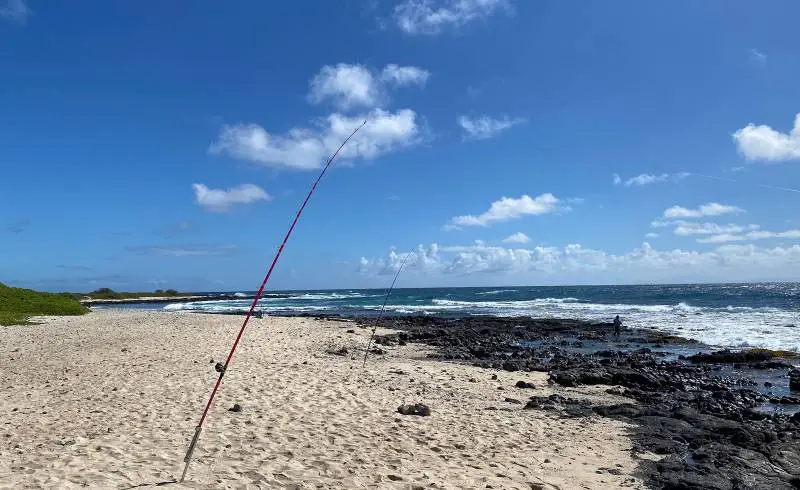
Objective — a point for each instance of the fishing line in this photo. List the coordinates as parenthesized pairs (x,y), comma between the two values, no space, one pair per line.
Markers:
(383,307)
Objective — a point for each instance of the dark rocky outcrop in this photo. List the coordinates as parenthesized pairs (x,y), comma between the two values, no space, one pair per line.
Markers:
(794,380)
(742,357)
(708,428)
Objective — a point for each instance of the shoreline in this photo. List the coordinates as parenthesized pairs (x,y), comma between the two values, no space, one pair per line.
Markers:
(708,416)
(110,399)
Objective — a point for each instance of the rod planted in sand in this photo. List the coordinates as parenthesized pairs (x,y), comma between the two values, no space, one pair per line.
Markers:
(224,367)
(380,315)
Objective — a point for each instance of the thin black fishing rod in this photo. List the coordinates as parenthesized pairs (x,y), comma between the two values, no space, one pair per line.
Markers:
(380,315)
(224,367)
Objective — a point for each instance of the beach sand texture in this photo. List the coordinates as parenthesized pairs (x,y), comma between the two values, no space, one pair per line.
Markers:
(111,399)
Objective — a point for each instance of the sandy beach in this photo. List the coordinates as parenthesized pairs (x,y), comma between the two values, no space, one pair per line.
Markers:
(111,399)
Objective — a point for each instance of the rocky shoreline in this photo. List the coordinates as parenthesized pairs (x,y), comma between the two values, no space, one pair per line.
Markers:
(704,414)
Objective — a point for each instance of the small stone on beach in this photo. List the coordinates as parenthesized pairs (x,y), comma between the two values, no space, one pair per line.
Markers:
(416,409)
(235,408)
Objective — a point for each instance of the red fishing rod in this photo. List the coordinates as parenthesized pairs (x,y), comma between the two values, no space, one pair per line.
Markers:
(222,368)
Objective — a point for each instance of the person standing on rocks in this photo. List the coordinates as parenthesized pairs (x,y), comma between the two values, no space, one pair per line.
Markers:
(617,326)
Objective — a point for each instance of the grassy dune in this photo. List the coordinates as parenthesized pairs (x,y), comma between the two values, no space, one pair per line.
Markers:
(17,305)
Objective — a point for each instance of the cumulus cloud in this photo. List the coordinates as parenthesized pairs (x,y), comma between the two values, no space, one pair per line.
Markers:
(729,262)
(646,179)
(15,10)
(517,238)
(710,209)
(221,200)
(485,127)
(404,75)
(508,208)
(423,259)
(433,16)
(769,145)
(307,148)
(349,86)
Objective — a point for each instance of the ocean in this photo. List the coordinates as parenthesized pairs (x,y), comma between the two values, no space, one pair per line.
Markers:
(725,315)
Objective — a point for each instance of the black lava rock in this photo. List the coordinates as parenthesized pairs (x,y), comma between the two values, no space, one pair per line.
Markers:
(415,409)
(794,380)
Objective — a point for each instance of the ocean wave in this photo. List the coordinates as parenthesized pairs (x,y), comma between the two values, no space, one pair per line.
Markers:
(330,296)
(221,308)
(504,304)
(725,326)
(497,291)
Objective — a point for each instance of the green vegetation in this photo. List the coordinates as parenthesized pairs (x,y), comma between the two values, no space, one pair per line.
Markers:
(106,293)
(17,305)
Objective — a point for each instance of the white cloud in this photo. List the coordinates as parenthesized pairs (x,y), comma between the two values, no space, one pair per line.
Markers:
(404,75)
(710,209)
(760,235)
(651,235)
(574,262)
(757,55)
(688,228)
(484,127)
(350,86)
(507,208)
(752,235)
(307,148)
(433,16)
(766,144)
(221,200)
(517,238)
(422,260)
(347,85)
(645,179)
(15,10)
(723,238)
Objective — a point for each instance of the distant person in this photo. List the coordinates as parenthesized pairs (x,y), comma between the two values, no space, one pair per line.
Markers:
(617,325)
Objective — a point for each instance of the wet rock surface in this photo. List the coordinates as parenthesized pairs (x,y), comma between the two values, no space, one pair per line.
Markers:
(708,429)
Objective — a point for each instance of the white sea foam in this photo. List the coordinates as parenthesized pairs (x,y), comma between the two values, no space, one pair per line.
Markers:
(329,296)
(732,326)
(497,291)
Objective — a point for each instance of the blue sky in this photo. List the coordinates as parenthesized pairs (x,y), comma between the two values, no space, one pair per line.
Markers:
(150,145)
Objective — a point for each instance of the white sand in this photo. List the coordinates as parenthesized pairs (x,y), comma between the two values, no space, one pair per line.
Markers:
(111,399)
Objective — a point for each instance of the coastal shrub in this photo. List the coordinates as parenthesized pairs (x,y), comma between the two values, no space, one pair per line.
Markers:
(18,304)
(108,293)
